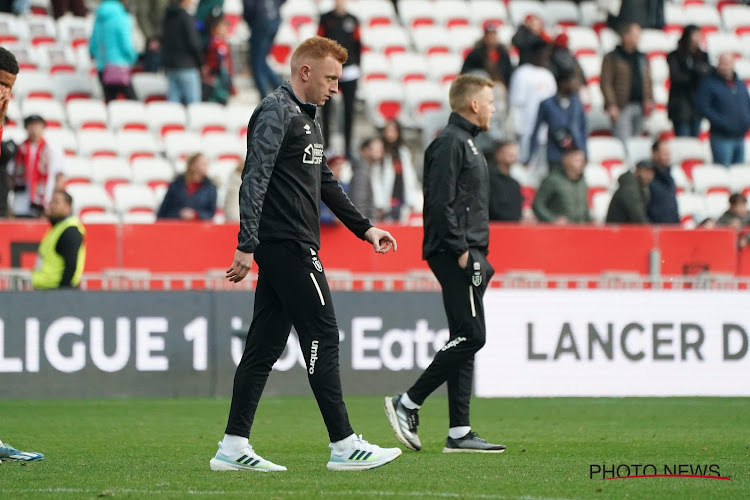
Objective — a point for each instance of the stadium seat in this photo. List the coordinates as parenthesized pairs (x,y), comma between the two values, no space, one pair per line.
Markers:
(444,68)
(661,96)
(165,117)
(375,66)
(110,172)
(13,29)
(658,124)
(432,40)
(709,179)
(525,176)
(132,144)
(14,113)
(736,18)
(57,59)
(519,9)
(127,115)
(96,143)
(739,179)
(608,151)
(583,41)
(237,117)
(408,67)
(373,12)
(716,204)
(600,206)
(742,68)
(704,16)
(42,30)
(681,180)
(657,42)
(64,138)
(69,86)
(598,123)
(592,96)
(94,216)
(87,114)
(674,16)
(417,13)
(384,101)
(139,217)
(74,31)
(486,12)
(14,133)
(205,117)
(591,65)
(421,97)
(89,198)
(597,177)
(152,172)
(608,40)
(52,111)
(28,57)
(688,152)
(691,208)
(224,146)
(150,86)
(452,13)
(462,39)
(299,12)
(281,51)
(659,70)
(77,171)
(718,43)
(180,145)
(130,198)
(220,170)
(560,12)
(592,15)
(33,84)
(385,39)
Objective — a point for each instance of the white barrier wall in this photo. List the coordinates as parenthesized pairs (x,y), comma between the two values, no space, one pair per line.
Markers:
(615,343)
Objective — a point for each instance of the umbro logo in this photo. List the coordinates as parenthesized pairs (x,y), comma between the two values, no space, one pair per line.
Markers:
(307,129)
(473,148)
(250,461)
(360,455)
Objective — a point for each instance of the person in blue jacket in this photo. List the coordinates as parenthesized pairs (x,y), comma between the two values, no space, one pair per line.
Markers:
(191,196)
(111,44)
(722,98)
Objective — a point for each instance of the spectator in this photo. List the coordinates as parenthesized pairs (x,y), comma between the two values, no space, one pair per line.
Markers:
(737,216)
(341,26)
(17,7)
(565,120)
(62,251)
(62,7)
(489,56)
(360,188)
(563,61)
(626,84)
(629,203)
(8,74)
(182,53)
(264,18)
(505,192)
(662,204)
(722,98)
(644,13)
(563,196)
(687,67)
(191,196)
(150,17)
(530,84)
(38,170)
(395,185)
(232,198)
(111,45)
(528,38)
(336,164)
(204,13)
(8,149)
(218,70)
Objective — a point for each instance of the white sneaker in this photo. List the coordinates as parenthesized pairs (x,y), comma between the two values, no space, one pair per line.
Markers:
(247,459)
(361,455)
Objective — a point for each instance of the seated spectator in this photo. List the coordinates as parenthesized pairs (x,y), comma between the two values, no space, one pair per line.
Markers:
(528,38)
(687,67)
(563,196)
(662,205)
(191,196)
(489,56)
(562,61)
(232,198)
(737,216)
(722,98)
(182,54)
(218,70)
(336,164)
(565,120)
(62,7)
(505,192)
(38,170)
(360,191)
(629,203)
(395,185)
(111,45)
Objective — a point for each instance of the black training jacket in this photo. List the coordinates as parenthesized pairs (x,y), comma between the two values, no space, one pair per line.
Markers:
(286,176)
(456,192)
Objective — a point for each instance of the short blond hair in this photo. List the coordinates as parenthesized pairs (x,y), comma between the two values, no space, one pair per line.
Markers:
(464,88)
(318,48)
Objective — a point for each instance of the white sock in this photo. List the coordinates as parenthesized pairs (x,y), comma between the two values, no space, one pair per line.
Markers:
(406,401)
(233,444)
(459,432)
(343,445)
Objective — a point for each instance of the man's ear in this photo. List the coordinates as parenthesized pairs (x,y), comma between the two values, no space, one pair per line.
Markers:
(304,72)
(474,105)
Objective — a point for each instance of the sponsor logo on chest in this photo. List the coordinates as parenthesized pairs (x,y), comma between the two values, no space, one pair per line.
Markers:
(313,154)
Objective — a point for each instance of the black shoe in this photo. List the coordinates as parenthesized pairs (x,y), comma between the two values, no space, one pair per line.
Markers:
(404,422)
(471,443)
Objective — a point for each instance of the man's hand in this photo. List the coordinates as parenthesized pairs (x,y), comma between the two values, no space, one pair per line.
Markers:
(382,241)
(614,112)
(187,213)
(240,267)
(4,103)
(463,260)
(561,220)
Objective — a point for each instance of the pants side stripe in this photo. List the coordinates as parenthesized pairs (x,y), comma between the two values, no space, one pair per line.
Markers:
(317,287)
(471,298)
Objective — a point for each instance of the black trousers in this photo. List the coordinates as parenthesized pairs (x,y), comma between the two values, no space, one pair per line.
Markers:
(112,92)
(292,290)
(463,291)
(348,92)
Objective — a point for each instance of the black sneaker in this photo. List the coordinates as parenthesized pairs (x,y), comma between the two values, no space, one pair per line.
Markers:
(471,443)
(404,422)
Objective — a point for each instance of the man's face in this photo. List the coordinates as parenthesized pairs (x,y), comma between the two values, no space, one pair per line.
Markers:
(644,175)
(35,130)
(573,164)
(507,155)
(662,157)
(490,39)
(7,80)
(323,80)
(740,209)
(632,37)
(726,66)
(485,107)
(58,207)
(374,152)
(200,167)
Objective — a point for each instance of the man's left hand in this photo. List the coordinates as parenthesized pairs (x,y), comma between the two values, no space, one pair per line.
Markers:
(382,241)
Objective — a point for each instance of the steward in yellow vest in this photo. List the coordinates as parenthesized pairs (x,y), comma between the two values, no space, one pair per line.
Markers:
(62,252)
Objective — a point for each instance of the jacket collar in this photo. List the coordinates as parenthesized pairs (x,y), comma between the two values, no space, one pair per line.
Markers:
(462,123)
(308,108)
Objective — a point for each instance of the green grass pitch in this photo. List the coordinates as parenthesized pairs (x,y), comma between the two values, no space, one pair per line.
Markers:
(161,448)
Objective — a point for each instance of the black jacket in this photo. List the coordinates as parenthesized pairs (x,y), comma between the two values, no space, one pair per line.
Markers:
(286,176)
(505,197)
(628,205)
(479,60)
(662,207)
(525,41)
(456,192)
(685,73)
(181,43)
(345,30)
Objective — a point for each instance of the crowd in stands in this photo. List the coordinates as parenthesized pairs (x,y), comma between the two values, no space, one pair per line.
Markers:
(580,136)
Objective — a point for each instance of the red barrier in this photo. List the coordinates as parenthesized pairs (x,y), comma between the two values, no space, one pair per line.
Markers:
(175,247)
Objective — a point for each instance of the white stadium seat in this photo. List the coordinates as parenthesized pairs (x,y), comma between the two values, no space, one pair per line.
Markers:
(134,198)
(150,86)
(736,18)
(600,206)
(385,101)
(597,176)
(657,41)
(487,12)
(133,144)
(386,39)
(739,178)
(408,66)
(415,13)
(709,179)
(139,217)
(716,204)
(64,138)
(422,97)
(560,12)
(95,217)
(691,206)
(152,172)
(206,117)
(373,12)
(87,113)
(224,146)
(432,39)
(74,86)
(180,145)
(519,9)
(33,84)
(443,68)
(78,171)
(89,198)
(96,143)
(52,111)
(110,172)
(583,40)
(608,151)
(464,38)
(164,117)
(453,13)
(127,115)
(718,43)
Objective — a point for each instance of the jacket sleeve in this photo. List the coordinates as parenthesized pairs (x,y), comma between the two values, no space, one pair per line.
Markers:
(193,39)
(507,67)
(125,40)
(208,208)
(635,209)
(583,129)
(263,146)
(473,61)
(703,102)
(540,118)
(67,247)
(541,201)
(648,91)
(168,208)
(608,81)
(445,161)
(335,198)
(678,75)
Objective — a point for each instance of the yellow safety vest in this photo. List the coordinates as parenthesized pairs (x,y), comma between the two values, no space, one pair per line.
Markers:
(50,265)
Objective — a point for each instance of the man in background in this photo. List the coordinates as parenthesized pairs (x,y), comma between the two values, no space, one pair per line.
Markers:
(563,195)
(505,192)
(371,154)
(629,203)
(662,205)
(489,56)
